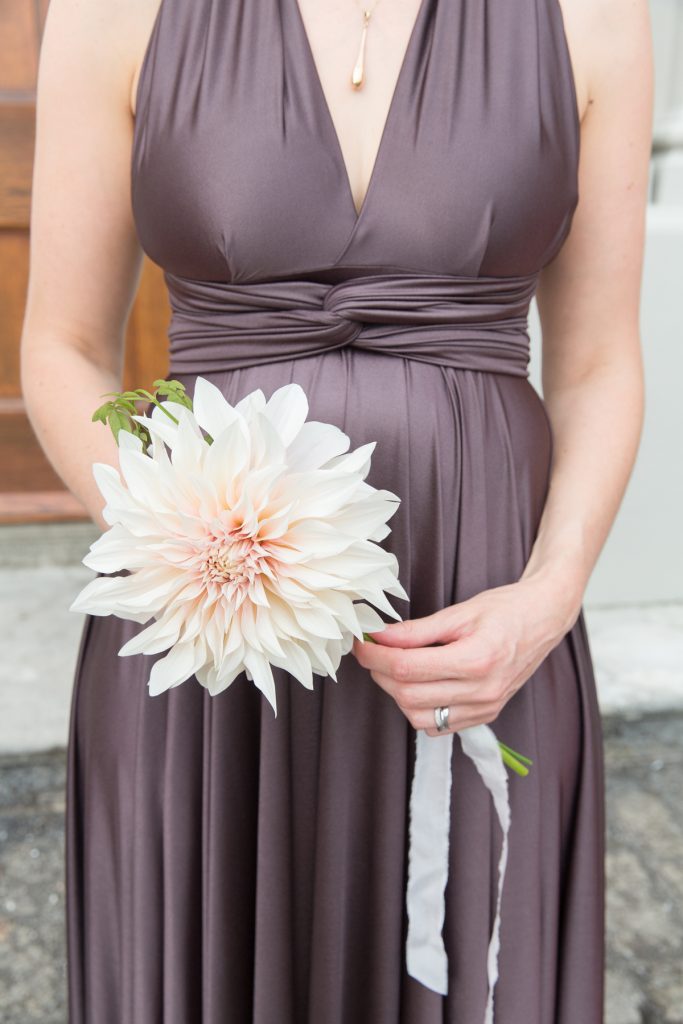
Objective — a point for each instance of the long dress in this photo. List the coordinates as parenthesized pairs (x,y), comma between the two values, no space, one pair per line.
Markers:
(227,866)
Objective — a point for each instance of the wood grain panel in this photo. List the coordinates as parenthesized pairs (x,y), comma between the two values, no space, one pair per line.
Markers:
(30,489)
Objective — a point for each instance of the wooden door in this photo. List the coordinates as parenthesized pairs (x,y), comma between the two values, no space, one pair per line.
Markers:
(30,489)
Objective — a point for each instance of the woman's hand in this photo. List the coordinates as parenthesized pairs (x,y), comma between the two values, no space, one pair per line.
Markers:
(487,647)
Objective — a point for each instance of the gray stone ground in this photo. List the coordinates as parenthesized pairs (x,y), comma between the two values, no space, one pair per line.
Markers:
(644,760)
(644,765)
(32,968)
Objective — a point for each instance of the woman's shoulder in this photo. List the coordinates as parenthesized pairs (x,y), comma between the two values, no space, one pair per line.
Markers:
(596,31)
(102,40)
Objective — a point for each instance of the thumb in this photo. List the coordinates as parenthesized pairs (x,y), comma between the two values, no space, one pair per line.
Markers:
(427,629)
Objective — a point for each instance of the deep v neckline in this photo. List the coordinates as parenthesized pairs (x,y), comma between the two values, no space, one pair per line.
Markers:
(392,112)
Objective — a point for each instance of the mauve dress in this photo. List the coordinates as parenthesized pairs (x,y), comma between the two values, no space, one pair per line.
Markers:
(227,866)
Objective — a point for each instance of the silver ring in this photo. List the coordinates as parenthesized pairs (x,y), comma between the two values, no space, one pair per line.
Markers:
(441,719)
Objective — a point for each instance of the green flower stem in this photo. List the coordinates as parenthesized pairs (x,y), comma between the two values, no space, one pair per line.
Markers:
(512,761)
(514,753)
(153,398)
(127,398)
(510,757)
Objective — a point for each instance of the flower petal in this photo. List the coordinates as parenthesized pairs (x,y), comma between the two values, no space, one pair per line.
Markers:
(261,672)
(287,408)
(211,408)
(178,665)
(314,446)
(295,661)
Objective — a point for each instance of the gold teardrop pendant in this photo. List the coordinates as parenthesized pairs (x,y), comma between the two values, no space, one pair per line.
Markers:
(357,76)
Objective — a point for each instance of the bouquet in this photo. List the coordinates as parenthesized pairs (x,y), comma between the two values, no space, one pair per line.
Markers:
(251,547)
(250,536)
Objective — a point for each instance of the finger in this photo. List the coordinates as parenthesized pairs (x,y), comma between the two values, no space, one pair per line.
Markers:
(464,701)
(457,719)
(428,629)
(461,659)
(442,693)
(386,683)
(405,664)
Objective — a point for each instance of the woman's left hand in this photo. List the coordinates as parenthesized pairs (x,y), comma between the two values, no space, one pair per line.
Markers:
(486,649)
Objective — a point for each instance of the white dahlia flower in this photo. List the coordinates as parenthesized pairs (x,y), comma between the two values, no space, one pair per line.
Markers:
(254,548)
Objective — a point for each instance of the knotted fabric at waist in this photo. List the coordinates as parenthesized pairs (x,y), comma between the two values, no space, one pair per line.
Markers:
(471,323)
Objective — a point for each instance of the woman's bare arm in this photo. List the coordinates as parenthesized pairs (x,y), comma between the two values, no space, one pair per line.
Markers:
(589,300)
(489,645)
(85,258)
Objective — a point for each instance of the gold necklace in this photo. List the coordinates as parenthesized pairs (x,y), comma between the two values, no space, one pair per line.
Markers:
(358,68)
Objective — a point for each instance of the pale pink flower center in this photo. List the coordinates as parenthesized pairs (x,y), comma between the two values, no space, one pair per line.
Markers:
(233,562)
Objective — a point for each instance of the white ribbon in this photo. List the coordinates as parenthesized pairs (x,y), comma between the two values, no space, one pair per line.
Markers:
(426,958)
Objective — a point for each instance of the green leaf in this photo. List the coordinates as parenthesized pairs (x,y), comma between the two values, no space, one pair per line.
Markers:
(174,391)
(100,415)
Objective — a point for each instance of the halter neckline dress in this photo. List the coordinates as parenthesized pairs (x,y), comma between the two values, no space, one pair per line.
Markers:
(226,865)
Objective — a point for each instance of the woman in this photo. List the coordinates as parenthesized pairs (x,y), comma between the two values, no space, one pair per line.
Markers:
(379,245)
